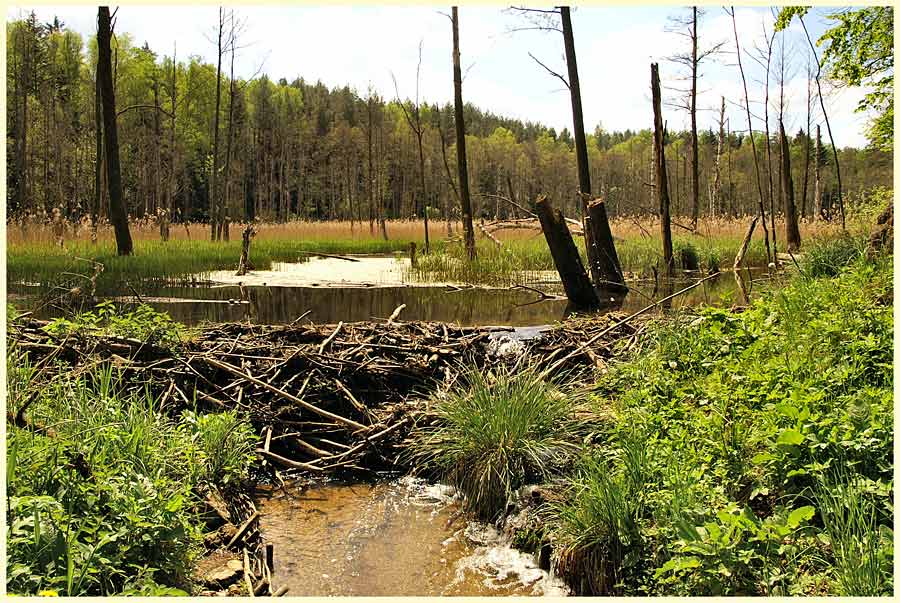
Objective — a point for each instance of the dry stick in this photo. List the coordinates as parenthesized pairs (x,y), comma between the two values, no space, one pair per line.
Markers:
(356,403)
(287,462)
(242,530)
(282,590)
(607,330)
(308,447)
(247,574)
(395,313)
(324,413)
(331,337)
(745,244)
(490,236)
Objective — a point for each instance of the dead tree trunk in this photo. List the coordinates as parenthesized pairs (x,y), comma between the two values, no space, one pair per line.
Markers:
(465,199)
(762,209)
(717,184)
(662,185)
(98,167)
(244,264)
(117,212)
(818,190)
(568,264)
(695,152)
(787,180)
(214,227)
(602,257)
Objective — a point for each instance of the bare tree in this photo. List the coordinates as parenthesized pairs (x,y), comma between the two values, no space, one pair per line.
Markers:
(790,211)
(214,225)
(598,239)
(715,197)
(414,119)
(837,166)
(118,215)
(461,165)
(762,207)
(687,27)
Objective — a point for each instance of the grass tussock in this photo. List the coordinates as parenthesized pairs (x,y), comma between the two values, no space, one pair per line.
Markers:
(496,430)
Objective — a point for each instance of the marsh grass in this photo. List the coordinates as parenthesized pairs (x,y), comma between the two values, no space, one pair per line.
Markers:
(596,522)
(34,257)
(494,431)
(857,530)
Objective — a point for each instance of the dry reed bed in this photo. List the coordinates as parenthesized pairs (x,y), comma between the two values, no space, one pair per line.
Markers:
(413,230)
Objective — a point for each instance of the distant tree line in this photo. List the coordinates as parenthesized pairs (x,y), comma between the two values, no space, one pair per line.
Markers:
(301,150)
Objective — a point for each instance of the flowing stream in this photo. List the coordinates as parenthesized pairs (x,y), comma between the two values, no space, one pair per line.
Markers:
(401,537)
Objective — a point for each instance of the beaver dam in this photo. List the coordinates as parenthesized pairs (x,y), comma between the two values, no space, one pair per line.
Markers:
(333,407)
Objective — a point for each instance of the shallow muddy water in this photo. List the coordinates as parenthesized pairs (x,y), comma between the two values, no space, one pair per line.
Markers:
(333,290)
(402,537)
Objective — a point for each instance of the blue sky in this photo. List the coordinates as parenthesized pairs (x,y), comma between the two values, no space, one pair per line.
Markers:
(615,45)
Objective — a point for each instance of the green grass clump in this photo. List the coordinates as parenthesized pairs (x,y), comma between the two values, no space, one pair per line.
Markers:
(104,488)
(496,430)
(744,418)
(155,262)
(828,257)
(596,523)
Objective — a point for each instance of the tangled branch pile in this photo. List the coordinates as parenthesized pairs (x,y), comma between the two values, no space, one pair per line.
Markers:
(323,397)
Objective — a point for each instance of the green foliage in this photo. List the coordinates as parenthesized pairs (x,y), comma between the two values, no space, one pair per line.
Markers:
(144,323)
(859,50)
(103,487)
(857,525)
(596,524)
(743,418)
(496,430)
(227,442)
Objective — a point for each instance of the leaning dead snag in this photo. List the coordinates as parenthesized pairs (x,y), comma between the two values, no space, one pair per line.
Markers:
(594,220)
(568,264)
(742,251)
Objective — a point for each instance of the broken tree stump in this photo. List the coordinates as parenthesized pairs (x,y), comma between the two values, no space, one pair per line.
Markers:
(244,265)
(604,253)
(568,264)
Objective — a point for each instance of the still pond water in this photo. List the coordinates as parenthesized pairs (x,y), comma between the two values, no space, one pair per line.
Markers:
(329,290)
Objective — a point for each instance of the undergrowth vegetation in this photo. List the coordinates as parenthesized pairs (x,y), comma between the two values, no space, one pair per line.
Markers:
(766,451)
(103,485)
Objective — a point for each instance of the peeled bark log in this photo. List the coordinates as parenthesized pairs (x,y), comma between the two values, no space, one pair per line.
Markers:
(568,264)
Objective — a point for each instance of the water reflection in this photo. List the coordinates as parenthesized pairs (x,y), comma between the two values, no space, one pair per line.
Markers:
(466,306)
